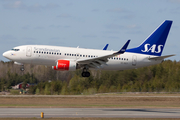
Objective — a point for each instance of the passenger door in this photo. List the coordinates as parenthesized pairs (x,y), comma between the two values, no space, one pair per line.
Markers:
(28,51)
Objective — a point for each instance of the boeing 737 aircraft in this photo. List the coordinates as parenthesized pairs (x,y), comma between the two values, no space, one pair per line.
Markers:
(68,58)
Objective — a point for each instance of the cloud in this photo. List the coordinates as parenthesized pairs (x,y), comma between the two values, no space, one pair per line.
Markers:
(89,36)
(56,41)
(113,37)
(25,27)
(175,10)
(39,27)
(95,10)
(59,26)
(29,38)
(64,16)
(133,26)
(116,10)
(174,1)
(134,32)
(15,5)
(30,41)
(8,39)
(33,8)
(114,26)
(111,32)
(51,6)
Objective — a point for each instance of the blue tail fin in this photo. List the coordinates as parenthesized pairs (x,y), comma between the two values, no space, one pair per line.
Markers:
(155,43)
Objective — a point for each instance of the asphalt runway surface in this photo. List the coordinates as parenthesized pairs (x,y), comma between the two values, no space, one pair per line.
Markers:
(89,112)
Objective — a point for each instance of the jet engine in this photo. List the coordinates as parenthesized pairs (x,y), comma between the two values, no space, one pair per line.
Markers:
(65,65)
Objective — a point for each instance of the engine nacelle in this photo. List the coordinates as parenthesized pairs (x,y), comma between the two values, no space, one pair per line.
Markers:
(63,65)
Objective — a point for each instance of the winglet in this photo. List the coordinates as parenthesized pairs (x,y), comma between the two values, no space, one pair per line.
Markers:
(123,49)
(105,48)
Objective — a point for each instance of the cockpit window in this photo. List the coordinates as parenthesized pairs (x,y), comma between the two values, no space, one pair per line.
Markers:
(15,49)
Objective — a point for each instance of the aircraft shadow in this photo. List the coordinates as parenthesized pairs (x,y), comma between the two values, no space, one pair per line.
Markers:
(141,110)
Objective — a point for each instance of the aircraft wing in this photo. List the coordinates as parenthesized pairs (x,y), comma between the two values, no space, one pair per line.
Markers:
(98,61)
(160,57)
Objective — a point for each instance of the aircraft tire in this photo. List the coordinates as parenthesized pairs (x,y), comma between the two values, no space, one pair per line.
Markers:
(85,74)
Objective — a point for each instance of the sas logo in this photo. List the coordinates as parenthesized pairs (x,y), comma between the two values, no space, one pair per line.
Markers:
(152,48)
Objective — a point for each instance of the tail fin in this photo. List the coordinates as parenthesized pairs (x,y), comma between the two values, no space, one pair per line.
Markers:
(154,44)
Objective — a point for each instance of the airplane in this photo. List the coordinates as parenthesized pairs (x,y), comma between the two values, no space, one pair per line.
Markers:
(69,58)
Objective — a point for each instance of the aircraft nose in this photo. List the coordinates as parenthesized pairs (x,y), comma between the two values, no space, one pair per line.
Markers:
(6,54)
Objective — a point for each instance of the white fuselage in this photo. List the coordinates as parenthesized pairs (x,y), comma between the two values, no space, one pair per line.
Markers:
(49,55)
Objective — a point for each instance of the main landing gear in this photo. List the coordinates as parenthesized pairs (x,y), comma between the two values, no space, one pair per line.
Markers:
(22,67)
(85,73)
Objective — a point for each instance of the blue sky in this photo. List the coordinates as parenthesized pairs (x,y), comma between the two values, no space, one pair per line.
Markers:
(87,23)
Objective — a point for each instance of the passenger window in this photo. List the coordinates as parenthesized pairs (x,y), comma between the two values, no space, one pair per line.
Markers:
(34,51)
(39,52)
(83,55)
(80,55)
(54,53)
(65,54)
(49,52)
(44,52)
(57,53)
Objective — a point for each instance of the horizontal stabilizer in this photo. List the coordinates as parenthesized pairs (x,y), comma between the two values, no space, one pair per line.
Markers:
(161,57)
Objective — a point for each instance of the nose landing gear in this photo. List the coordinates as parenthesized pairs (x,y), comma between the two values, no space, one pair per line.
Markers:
(22,68)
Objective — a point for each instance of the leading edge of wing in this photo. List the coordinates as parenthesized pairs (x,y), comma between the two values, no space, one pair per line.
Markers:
(104,59)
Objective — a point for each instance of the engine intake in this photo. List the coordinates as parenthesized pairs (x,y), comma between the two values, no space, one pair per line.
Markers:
(65,65)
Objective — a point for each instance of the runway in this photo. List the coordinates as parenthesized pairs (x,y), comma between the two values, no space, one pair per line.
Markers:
(89,112)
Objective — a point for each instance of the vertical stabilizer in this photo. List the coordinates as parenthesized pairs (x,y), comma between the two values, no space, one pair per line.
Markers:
(155,42)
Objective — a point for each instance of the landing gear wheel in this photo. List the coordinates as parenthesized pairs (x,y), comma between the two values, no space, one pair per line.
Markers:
(22,68)
(85,74)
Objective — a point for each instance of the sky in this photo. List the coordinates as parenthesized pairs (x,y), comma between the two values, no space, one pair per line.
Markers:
(87,23)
